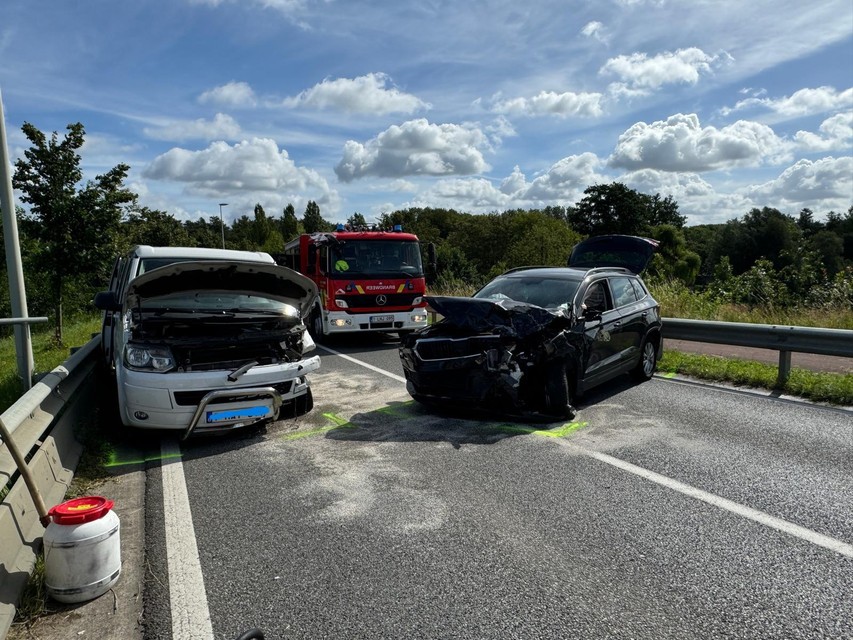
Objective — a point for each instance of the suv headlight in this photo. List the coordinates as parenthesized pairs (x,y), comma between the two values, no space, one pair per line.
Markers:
(142,357)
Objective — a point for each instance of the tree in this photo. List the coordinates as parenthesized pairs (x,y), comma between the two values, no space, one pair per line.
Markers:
(356,221)
(614,208)
(77,227)
(157,228)
(289,225)
(313,221)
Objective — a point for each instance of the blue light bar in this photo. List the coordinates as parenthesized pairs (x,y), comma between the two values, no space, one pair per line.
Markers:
(398,227)
(340,227)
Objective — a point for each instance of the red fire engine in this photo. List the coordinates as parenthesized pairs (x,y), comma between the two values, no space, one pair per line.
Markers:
(368,280)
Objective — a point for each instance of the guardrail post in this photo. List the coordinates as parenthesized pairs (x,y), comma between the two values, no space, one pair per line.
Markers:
(784,368)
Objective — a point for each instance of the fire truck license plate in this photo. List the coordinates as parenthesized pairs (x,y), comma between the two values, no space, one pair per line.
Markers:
(378,319)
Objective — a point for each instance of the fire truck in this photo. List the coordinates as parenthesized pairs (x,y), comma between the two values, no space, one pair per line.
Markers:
(368,279)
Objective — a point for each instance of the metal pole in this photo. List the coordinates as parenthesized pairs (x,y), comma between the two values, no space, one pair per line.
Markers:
(222,222)
(17,292)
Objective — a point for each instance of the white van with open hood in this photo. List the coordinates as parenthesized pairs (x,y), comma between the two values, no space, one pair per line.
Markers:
(207,345)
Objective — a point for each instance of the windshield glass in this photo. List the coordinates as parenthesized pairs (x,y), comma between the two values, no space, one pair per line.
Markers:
(383,258)
(218,302)
(550,293)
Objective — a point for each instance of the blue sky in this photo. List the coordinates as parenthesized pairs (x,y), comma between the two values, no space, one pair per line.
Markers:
(485,105)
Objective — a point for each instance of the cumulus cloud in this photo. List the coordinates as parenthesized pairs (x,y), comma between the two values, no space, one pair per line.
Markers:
(255,166)
(679,143)
(221,127)
(638,73)
(365,94)
(836,133)
(563,105)
(804,102)
(822,184)
(564,182)
(416,148)
(233,94)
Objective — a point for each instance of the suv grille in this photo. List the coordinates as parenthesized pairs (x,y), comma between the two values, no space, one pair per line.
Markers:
(444,348)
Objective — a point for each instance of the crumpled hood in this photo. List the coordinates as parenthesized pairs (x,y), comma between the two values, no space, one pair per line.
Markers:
(253,278)
(505,317)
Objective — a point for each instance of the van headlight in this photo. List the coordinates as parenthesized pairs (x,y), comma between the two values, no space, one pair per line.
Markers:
(143,357)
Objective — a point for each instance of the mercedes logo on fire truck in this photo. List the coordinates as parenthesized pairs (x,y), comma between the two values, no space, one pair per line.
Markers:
(381,300)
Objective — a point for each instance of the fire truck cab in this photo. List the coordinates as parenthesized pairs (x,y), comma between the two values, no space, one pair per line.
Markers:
(368,280)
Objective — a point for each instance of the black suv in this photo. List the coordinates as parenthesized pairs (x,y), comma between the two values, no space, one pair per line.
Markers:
(534,338)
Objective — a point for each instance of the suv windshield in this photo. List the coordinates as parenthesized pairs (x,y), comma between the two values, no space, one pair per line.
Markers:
(550,293)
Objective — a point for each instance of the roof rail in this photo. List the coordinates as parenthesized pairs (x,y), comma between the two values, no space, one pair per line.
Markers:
(532,266)
(617,269)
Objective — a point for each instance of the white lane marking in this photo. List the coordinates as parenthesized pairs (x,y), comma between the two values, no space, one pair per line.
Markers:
(393,376)
(722,503)
(190,614)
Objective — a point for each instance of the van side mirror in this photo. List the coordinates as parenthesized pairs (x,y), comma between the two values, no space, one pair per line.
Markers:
(106,301)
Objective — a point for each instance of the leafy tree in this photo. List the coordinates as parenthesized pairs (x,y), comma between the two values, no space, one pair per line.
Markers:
(77,227)
(204,233)
(289,225)
(356,221)
(313,221)
(614,208)
(673,259)
(153,227)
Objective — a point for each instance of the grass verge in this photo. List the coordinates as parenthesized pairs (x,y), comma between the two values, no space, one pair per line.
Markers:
(834,388)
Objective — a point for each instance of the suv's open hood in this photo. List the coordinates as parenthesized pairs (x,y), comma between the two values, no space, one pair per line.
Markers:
(253,278)
(630,252)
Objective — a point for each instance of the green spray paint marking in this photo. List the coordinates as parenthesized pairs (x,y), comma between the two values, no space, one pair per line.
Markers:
(561,432)
(337,423)
(402,410)
(670,375)
(115,462)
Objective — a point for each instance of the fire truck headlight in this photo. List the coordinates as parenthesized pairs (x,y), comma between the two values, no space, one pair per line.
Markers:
(340,322)
(341,304)
(418,317)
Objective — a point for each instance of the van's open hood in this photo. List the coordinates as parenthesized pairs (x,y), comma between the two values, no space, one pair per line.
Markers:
(630,252)
(253,278)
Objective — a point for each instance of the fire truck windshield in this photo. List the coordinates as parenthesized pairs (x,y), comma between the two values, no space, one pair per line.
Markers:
(380,258)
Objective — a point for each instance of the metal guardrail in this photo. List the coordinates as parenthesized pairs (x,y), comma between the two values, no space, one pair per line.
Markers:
(41,426)
(784,339)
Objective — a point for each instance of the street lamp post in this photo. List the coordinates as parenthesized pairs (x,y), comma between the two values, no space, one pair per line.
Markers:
(222,222)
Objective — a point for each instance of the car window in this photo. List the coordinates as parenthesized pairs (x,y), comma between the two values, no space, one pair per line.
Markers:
(639,289)
(623,291)
(596,299)
(550,293)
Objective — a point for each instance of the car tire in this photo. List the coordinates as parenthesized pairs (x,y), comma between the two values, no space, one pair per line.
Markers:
(645,368)
(557,392)
(317,326)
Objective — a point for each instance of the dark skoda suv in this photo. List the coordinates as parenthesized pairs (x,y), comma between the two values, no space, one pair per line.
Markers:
(535,338)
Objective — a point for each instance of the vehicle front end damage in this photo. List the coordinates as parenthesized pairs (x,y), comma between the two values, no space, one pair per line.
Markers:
(213,347)
(501,356)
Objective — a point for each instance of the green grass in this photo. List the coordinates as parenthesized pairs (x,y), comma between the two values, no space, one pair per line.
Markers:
(47,355)
(833,388)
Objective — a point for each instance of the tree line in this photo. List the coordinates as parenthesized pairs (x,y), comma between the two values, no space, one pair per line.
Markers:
(72,231)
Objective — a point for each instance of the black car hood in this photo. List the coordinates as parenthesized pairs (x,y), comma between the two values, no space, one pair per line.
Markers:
(630,252)
(468,316)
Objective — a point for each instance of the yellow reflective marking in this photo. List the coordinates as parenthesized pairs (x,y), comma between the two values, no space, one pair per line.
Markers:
(359,289)
(400,288)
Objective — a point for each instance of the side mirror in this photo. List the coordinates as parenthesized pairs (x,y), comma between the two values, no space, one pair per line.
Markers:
(106,301)
(590,315)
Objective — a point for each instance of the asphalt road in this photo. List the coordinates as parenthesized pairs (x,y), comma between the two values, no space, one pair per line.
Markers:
(664,510)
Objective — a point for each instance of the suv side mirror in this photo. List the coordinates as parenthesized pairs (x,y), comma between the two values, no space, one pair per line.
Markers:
(107,301)
(590,315)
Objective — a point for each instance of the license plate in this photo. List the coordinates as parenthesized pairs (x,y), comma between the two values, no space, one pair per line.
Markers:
(378,319)
(237,414)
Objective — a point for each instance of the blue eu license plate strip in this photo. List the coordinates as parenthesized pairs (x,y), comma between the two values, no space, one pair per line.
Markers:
(237,414)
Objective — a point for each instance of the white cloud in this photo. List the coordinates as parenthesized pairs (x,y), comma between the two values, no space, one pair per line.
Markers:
(221,127)
(639,73)
(564,105)
(256,166)
(804,102)
(365,94)
(836,133)
(595,30)
(416,148)
(679,143)
(823,184)
(233,94)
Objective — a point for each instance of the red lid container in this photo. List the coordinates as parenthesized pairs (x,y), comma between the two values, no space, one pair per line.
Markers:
(80,510)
